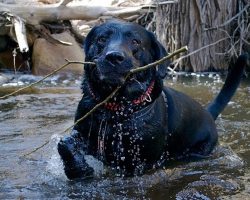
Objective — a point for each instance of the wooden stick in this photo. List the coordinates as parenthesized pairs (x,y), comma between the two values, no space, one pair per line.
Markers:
(114,92)
(36,149)
(39,81)
(94,108)
(139,69)
(196,51)
(178,51)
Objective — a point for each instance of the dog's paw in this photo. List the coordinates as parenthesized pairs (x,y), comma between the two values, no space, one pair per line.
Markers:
(66,149)
(75,165)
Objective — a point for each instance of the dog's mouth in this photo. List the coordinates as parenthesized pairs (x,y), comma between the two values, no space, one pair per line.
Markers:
(105,78)
(110,77)
(111,73)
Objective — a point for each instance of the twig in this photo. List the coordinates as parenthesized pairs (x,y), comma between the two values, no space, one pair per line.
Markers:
(114,92)
(94,108)
(52,73)
(139,69)
(196,51)
(159,61)
(36,149)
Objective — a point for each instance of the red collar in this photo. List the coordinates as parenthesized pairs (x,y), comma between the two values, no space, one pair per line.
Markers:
(145,97)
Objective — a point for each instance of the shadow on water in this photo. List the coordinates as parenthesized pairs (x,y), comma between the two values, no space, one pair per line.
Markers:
(43,112)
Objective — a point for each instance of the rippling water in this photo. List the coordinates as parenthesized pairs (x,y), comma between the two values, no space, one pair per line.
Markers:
(45,111)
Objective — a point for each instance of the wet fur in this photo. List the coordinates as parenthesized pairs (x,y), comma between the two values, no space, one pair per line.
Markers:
(171,126)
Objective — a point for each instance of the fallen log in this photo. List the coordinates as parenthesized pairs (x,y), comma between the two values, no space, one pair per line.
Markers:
(24,24)
(36,14)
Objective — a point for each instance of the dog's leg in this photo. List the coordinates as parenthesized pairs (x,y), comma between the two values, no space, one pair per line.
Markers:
(71,150)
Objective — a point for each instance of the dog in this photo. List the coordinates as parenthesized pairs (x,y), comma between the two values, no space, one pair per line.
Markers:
(144,125)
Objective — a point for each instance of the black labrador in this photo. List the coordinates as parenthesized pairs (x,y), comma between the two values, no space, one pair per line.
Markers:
(145,124)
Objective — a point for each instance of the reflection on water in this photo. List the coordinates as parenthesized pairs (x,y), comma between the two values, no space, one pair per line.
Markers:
(45,111)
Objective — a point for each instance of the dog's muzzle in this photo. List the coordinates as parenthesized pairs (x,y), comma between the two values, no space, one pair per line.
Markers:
(113,67)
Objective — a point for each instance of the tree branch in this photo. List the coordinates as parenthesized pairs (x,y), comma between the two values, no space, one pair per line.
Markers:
(36,14)
(39,81)
(196,51)
(113,93)
(36,149)
(139,69)
(183,49)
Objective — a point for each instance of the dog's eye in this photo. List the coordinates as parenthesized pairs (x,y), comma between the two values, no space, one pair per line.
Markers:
(136,42)
(101,40)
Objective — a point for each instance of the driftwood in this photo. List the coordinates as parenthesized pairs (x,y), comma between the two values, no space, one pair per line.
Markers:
(20,32)
(36,14)
(20,22)
(15,27)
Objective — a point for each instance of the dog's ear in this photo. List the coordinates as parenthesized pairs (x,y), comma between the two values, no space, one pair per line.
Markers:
(159,52)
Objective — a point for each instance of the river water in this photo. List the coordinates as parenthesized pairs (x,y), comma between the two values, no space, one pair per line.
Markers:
(43,112)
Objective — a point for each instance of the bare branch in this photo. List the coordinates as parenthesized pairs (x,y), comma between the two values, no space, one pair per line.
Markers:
(39,81)
(196,51)
(95,108)
(36,149)
(139,69)
(36,14)
(183,49)
(112,94)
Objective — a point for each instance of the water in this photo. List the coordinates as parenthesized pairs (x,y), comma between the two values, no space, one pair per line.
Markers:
(42,113)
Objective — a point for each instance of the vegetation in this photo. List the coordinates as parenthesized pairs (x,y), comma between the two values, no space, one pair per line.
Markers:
(214,31)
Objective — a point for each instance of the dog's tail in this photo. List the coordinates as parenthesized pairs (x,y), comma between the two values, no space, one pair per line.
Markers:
(230,86)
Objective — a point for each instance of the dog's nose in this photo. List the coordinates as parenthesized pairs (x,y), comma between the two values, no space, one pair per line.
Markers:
(115,57)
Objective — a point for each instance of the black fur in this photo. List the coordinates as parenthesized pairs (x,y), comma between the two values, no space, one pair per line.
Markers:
(134,137)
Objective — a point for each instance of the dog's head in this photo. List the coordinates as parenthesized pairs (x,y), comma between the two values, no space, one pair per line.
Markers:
(117,47)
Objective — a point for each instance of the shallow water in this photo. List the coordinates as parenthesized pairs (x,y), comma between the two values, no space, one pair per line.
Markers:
(45,111)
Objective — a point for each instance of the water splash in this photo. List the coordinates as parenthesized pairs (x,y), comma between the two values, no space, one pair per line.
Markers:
(55,164)
(97,165)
